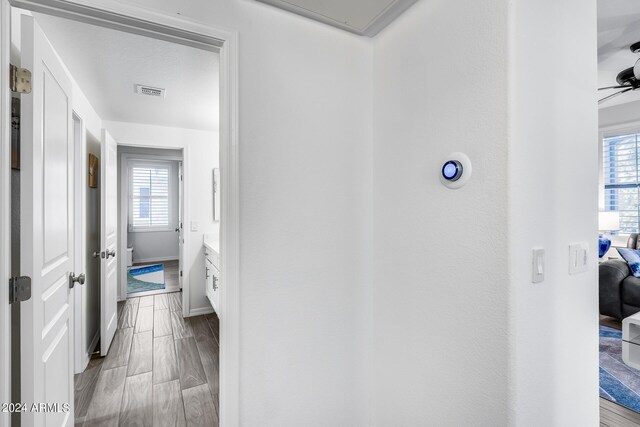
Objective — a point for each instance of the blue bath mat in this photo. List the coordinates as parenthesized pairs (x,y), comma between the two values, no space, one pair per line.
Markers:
(145,278)
(619,383)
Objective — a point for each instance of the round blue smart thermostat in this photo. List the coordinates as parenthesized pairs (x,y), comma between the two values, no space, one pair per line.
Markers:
(452,170)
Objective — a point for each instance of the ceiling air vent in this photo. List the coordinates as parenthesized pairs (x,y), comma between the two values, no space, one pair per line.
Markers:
(150,91)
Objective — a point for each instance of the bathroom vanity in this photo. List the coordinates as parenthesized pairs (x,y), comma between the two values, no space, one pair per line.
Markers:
(212,271)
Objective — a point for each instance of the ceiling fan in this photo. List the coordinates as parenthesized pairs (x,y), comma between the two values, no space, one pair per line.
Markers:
(628,79)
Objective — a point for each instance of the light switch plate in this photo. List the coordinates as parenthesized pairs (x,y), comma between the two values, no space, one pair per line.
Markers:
(578,257)
(537,270)
(194,225)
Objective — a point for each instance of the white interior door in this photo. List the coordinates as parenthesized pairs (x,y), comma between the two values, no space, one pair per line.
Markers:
(180,228)
(46,253)
(109,242)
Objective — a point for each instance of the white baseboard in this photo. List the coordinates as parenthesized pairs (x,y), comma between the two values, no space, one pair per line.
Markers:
(158,259)
(92,347)
(94,342)
(200,311)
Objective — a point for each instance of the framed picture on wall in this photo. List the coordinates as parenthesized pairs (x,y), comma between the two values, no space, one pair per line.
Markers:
(216,194)
(93,171)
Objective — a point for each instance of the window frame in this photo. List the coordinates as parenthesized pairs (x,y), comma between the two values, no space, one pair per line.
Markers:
(148,163)
(609,132)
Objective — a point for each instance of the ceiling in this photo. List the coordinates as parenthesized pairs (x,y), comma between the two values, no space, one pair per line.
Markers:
(363,17)
(618,28)
(107,64)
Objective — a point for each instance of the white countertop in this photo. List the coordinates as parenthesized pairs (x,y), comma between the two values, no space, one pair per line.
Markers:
(212,242)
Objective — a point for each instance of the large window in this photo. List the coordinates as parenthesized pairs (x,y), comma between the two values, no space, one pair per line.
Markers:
(149,206)
(621,173)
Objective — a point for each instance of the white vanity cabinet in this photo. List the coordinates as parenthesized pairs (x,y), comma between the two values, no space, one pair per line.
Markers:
(212,275)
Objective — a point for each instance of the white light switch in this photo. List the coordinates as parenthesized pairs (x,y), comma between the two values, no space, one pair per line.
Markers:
(537,270)
(578,257)
(194,225)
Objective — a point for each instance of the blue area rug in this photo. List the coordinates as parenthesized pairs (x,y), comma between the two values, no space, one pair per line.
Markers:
(619,383)
(145,278)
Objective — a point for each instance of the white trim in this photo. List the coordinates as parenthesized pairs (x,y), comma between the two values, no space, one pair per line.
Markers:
(157,259)
(160,24)
(79,194)
(91,349)
(229,234)
(200,311)
(5,211)
(124,208)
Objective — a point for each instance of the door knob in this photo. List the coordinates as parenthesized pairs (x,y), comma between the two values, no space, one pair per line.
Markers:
(73,279)
(111,253)
(177,229)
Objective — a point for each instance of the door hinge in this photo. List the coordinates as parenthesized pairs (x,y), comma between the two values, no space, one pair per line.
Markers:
(19,79)
(19,289)
(180,273)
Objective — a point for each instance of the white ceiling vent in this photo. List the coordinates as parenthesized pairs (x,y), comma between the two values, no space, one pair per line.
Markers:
(150,91)
(363,17)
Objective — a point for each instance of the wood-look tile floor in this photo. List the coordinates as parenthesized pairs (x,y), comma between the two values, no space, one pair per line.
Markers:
(161,369)
(171,279)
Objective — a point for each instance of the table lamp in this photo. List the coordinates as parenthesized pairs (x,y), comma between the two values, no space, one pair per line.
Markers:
(607,221)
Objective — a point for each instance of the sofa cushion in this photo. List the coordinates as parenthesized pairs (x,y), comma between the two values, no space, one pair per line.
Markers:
(632,256)
(612,274)
(630,291)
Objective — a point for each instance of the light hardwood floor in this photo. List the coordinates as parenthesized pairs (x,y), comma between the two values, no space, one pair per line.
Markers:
(161,369)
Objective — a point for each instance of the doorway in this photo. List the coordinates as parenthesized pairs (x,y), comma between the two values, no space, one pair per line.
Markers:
(229,155)
(150,200)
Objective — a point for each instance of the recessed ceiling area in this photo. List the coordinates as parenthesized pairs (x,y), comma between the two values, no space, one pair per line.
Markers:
(618,28)
(108,65)
(363,17)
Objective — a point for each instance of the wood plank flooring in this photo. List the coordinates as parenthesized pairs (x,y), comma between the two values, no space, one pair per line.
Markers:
(612,414)
(161,369)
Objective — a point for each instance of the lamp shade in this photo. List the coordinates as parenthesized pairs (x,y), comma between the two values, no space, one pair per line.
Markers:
(608,221)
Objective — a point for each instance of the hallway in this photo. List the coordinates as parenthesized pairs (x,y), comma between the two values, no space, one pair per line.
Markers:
(161,369)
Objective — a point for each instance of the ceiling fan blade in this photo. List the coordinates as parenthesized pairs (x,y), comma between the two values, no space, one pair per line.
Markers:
(636,70)
(614,87)
(606,98)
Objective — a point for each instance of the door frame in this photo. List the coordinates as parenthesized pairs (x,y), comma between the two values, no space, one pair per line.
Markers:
(5,211)
(81,358)
(158,24)
(123,200)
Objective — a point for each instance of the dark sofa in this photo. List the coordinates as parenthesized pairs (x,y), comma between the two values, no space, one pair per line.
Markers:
(619,290)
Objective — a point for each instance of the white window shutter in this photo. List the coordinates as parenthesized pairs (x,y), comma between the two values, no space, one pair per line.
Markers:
(149,197)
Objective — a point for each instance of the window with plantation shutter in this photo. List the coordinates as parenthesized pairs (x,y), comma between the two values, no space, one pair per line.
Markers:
(621,172)
(149,206)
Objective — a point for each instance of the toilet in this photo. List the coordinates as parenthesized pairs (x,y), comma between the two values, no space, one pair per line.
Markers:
(129,256)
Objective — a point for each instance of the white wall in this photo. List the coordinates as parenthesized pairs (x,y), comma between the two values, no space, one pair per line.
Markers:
(304,138)
(459,334)
(440,286)
(202,158)
(619,115)
(479,343)
(153,245)
(553,152)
